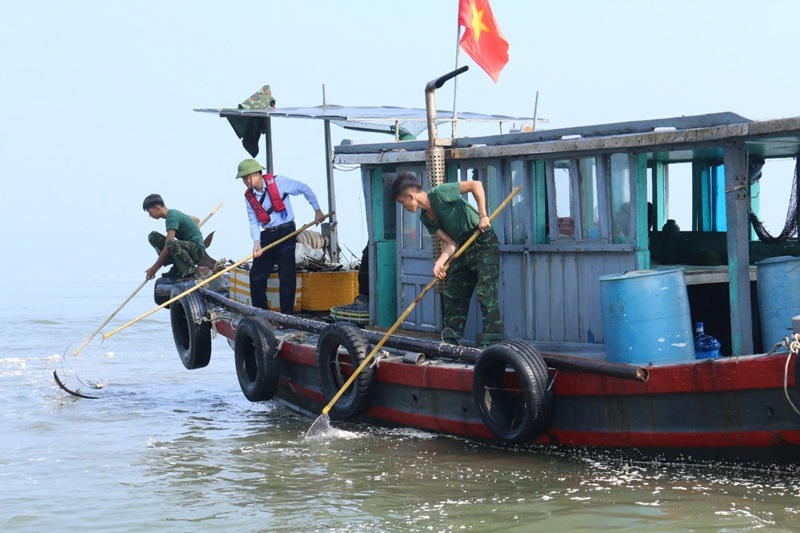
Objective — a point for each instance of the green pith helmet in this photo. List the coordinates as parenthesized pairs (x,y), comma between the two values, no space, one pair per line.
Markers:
(247,167)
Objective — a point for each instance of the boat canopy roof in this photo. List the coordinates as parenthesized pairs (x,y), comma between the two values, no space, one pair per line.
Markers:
(404,123)
(389,114)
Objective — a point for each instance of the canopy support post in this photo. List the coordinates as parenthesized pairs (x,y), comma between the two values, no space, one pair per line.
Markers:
(333,235)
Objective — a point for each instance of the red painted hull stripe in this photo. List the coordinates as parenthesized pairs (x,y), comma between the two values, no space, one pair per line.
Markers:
(727,374)
(305,392)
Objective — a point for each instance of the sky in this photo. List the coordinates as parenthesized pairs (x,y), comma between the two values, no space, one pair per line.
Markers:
(98,98)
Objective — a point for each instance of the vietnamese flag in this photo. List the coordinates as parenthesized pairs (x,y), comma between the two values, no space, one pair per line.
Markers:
(482,39)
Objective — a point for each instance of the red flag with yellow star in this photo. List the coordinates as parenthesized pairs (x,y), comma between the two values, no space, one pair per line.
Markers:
(482,39)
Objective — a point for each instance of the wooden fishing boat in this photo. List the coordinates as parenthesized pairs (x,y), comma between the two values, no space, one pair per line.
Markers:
(598,293)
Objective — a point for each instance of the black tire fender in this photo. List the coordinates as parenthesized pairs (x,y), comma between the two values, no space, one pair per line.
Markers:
(335,368)
(518,412)
(190,329)
(256,357)
(162,291)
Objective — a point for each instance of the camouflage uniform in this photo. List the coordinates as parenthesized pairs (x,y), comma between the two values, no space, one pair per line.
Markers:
(186,250)
(477,269)
(185,255)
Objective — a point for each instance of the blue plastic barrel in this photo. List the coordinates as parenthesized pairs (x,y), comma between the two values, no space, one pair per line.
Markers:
(778,289)
(646,317)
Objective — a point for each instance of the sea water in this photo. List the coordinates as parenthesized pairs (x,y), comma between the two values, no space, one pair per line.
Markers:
(167,449)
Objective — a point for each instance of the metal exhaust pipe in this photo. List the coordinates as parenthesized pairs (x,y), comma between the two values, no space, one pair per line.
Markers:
(434,155)
(430,101)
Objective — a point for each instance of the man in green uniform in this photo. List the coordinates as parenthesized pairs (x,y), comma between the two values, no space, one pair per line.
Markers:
(182,246)
(451,218)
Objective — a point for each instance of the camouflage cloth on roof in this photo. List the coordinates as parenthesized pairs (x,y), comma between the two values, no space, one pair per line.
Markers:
(249,129)
(261,99)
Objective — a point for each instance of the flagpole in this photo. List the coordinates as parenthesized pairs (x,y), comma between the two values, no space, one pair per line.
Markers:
(454,126)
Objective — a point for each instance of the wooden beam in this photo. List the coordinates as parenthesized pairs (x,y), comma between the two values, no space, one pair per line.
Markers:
(736,196)
(659,180)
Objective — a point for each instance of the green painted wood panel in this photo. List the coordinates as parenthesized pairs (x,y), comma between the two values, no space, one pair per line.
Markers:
(384,271)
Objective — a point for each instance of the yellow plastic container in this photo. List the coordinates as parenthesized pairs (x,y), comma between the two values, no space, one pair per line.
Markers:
(323,290)
(240,289)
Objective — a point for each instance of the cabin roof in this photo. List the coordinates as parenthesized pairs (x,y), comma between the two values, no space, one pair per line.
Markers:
(674,139)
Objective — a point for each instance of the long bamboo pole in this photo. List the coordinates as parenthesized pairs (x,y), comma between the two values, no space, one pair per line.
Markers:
(408,310)
(209,279)
(128,299)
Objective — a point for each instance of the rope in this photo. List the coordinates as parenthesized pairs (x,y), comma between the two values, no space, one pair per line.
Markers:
(458,338)
(504,389)
(794,347)
(299,336)
(381,355)
(312,239)
(553,381)
(783,344)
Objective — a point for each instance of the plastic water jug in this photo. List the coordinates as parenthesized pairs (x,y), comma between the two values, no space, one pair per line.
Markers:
(705,346)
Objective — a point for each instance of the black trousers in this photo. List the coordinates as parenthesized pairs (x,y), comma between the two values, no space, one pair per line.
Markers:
(363,273)
(283,256)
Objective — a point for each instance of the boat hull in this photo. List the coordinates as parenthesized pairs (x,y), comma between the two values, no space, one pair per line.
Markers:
(732,409)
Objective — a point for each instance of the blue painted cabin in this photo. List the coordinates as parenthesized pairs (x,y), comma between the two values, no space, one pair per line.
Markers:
(594,201)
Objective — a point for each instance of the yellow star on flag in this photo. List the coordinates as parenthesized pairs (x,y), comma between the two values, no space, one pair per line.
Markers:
(477,22)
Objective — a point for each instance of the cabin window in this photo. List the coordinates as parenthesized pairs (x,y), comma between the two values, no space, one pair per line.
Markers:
(411,234)
(712,193)
(486,175)
(779,212)
(415,236)
(574,191)
(496,186)
(389,207)
(679,185)
(621,219)
(656,195)
(520,205)
(476,174)
(562,192)
(587,184)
